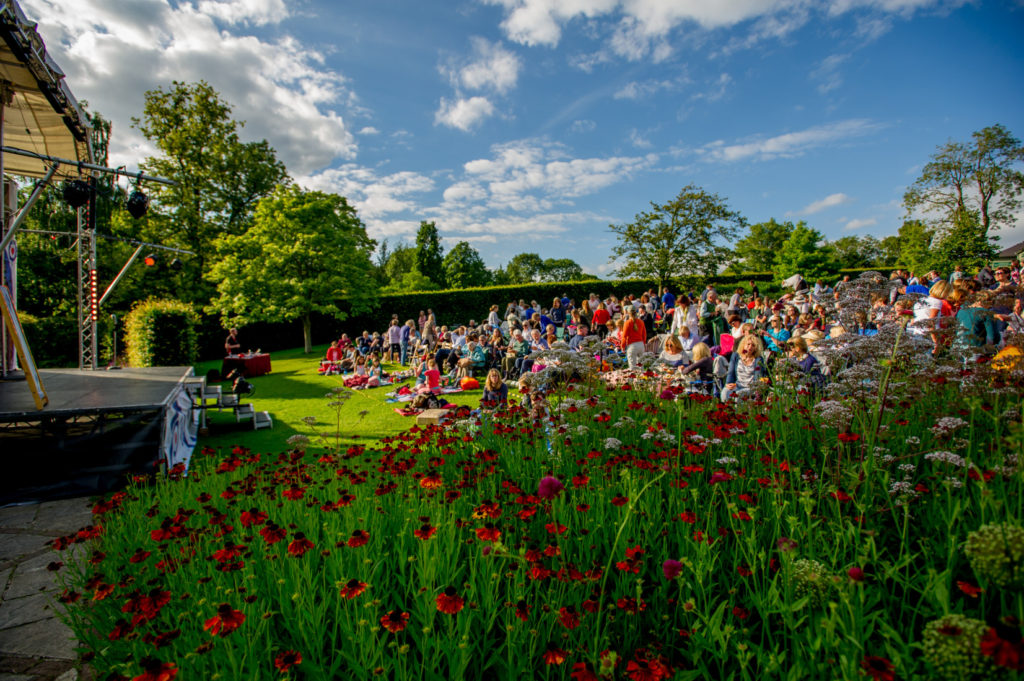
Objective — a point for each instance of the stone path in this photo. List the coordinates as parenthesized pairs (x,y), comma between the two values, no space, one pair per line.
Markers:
(34,644)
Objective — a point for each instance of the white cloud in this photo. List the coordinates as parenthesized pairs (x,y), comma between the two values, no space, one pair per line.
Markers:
(827,73)
(463,114)
(716,90)
(369,130)
(638,140)
(114,52)
(830,201)
(860,223)
(643,89)
(789,145)
(582,125)
(373,196)
(640,29)
(492,68)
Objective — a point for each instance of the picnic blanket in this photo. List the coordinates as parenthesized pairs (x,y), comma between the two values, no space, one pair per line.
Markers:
(409,411)
(408,397)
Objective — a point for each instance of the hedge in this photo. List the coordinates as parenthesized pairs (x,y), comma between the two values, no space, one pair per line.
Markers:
(161,333)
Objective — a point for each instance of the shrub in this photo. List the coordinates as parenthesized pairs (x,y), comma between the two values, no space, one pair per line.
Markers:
(53,340)
(161,333)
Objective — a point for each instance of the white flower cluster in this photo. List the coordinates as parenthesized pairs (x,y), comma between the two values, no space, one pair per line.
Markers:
(913,440)
(623,422)
(946,425)
(833,413)
(727,461)
(612,443)
(947,457)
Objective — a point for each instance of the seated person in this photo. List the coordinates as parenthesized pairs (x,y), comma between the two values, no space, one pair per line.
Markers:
(746,369)
(332,360)
(700,368)
(673,354)
(806,362)
(364,343)
(475,360)
(537,344)
(777,334)
(344,343)
(686,338)
(495,391)
(517,349)
(581,334)
(431,377)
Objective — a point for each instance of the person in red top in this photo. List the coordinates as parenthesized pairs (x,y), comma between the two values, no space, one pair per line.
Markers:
(600,319)
(634,337)
(331,363)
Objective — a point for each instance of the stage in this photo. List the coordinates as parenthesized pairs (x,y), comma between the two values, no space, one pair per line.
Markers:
(98,428)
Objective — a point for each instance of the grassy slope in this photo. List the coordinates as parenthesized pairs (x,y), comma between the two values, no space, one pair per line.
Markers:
(294,390)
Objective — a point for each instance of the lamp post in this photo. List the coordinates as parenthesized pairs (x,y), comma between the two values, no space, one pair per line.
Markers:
(113,362)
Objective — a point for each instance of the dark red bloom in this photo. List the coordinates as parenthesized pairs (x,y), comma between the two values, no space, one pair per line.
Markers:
(449,602)
(672,568)
(523,610)
(581,672)
(878,668)
(155,670)
(688,517)
(549,487)
(253,517)
(358,538)
(225,621)
(848,437)
(286,659)
(395,621)
(634,560)
(273,534)
(969,589)
(856,574)
(569,617)
(352,588)
(1004,653)
(425,532)
(619,500)
(645,669)
(138,556)
(554,655)
(299,545)
(488,533)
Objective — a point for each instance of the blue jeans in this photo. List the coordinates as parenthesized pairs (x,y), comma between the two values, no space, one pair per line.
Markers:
(404,352)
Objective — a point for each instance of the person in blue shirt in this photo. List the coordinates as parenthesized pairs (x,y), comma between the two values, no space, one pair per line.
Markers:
(565,302)
(557,314)
(582,331)
(777,334)
(668,301)
(406,334)
(528,312)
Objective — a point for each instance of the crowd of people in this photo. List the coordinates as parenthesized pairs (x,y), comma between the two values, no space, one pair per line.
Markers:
(723,343)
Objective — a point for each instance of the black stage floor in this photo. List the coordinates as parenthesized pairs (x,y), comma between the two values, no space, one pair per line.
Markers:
(74,392)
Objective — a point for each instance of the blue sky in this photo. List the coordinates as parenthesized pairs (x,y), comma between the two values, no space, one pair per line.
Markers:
(530,125)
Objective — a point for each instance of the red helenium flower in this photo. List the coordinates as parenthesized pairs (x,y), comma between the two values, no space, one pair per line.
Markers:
(878,668)
(449,602)
(225,621)
(352,588)
(299,545)
(358,538)
(395,621)
(286,659)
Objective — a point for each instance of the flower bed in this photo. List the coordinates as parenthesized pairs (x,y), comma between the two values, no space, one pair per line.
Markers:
(624,536)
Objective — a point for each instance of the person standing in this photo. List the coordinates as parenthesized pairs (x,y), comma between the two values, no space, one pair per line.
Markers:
(232,346)
(394,340)
(634,338)
(403,341)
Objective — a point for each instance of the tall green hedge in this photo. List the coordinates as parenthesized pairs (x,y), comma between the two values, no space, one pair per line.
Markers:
(161,333)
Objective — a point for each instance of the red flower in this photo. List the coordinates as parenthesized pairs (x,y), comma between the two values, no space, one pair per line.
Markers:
(672,568)
(253,517)
(488,533)
(969,589)
(568,617)
(634,560)
(619,500)
(1004,653)
(395,621)
(643,669)
(554,655)
(273,534)
(358,538)
(449,602)
(155,670)
(549,488)
(848,437)
(581,672)
(878,668)
(286,659)
(425,532)
(294,493)
(432,481)
(523,610)
(352,588)
(856,574)
(225,621)
(138,556)
(299,545)
(688,517)
(555,528)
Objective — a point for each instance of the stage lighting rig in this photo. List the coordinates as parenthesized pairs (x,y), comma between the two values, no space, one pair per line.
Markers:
(150,260)
(137,204)
(176,264)
(76,193)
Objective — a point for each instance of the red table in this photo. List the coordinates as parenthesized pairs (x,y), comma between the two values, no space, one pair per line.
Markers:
(250,365)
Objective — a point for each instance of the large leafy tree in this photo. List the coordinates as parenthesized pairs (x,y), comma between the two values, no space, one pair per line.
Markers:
(802,253)
(429,254)
(464,268)
(219,178)
(561,269)
(756,251)
(916,240)
(688,235)
(304,252)
(523,268)
(851,251)
(983,176)
(963,243)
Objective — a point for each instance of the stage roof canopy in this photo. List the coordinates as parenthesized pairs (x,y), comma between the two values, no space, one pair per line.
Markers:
(43,117)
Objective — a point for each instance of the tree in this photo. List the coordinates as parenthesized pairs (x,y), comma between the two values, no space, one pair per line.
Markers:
(413,280)
(401,260)
(524,268)
(802,254)
(561,269)
(682,237)
(219,178)
(983,176)
(963,243)
(756,251)
(854,251)
(464,268)
(303,252)
(429,254)
(889,251)
(915,238)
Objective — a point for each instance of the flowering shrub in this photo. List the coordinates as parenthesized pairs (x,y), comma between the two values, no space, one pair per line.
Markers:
(613,534)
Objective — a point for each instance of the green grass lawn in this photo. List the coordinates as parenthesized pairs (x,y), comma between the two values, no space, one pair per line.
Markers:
(294,390)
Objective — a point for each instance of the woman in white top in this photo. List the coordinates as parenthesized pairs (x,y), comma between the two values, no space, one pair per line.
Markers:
(492,318)
(673,354)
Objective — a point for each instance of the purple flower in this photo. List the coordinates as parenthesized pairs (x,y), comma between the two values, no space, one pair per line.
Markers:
(671,568)
(786,544)
(549,487)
